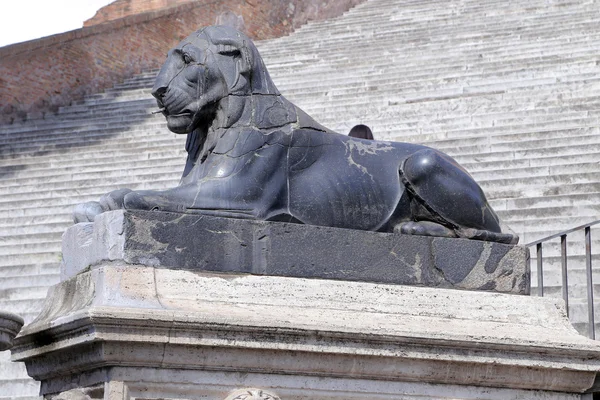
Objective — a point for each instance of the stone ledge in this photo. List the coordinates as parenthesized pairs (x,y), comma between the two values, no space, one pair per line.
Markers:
(205,243)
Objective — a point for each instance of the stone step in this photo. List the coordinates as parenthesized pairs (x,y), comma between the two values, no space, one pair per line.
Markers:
(84,188)
(163,137)
(578,312)
(387,92)
(167,151)
(8,250)
(577,293)
(404,87)
(536,181)
(573,200)
(104,162)
(144,151)
(25,282)
(545,227)
(24,269)
(103,126)
(88,153)
(579,68)
(160,129)
(26,388)
(582,328)
(575,245)
(478,60)
(38,246)
(161,123)
(22,306)
(115,93)
(45,221)
(61,200)
(470,163)
(407,18)
(493,31)
(27,259)
(143,102)
(17,228)
(415,35)
(59,189)
(11,370)
(39,237)
(498,145)
(18,294)
(470,152)
(544,113)
(593,211)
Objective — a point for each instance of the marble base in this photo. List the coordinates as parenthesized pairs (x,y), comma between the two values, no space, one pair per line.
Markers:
(119,331)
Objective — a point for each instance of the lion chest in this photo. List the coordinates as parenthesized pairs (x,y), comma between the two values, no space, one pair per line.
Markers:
(245,166)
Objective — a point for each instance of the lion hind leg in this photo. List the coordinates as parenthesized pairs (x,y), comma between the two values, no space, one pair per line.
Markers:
(446,201)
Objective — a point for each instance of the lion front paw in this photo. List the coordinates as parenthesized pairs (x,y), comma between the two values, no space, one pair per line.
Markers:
(86,212)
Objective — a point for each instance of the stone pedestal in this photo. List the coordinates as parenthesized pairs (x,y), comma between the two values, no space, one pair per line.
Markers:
(203,243)
(129,328)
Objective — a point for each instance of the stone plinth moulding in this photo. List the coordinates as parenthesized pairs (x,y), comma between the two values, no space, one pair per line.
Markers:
(129,326)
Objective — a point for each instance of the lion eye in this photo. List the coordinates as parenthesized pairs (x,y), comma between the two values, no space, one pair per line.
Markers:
(187,58)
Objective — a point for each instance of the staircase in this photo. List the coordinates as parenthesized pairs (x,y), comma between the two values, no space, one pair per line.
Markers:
(510,89)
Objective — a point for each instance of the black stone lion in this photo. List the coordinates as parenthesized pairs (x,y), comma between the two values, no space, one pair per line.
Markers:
(253,154)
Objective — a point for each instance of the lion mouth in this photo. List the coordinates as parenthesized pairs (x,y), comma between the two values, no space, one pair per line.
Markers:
(167,110)
(184,113)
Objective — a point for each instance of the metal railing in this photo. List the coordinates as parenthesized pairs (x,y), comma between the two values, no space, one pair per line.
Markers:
(563,258)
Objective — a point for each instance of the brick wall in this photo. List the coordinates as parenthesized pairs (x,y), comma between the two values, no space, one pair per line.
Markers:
(38,76)
(124,8)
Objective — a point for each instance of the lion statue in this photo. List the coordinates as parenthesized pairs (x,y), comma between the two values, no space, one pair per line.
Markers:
(253,154)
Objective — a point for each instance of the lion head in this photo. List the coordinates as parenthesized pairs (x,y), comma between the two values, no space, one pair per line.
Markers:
(203,71)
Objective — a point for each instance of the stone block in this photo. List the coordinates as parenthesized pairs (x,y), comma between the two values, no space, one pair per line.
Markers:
(205,243)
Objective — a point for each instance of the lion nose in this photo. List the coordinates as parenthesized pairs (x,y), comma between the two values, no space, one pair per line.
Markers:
(161,84)
(159,91)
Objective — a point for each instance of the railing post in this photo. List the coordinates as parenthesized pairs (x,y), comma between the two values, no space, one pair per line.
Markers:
(563,256)
(540,274)
(590,284)
(563,262)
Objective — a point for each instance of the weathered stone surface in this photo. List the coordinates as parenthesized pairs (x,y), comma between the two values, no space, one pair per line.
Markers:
(146,332)
(206,243)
